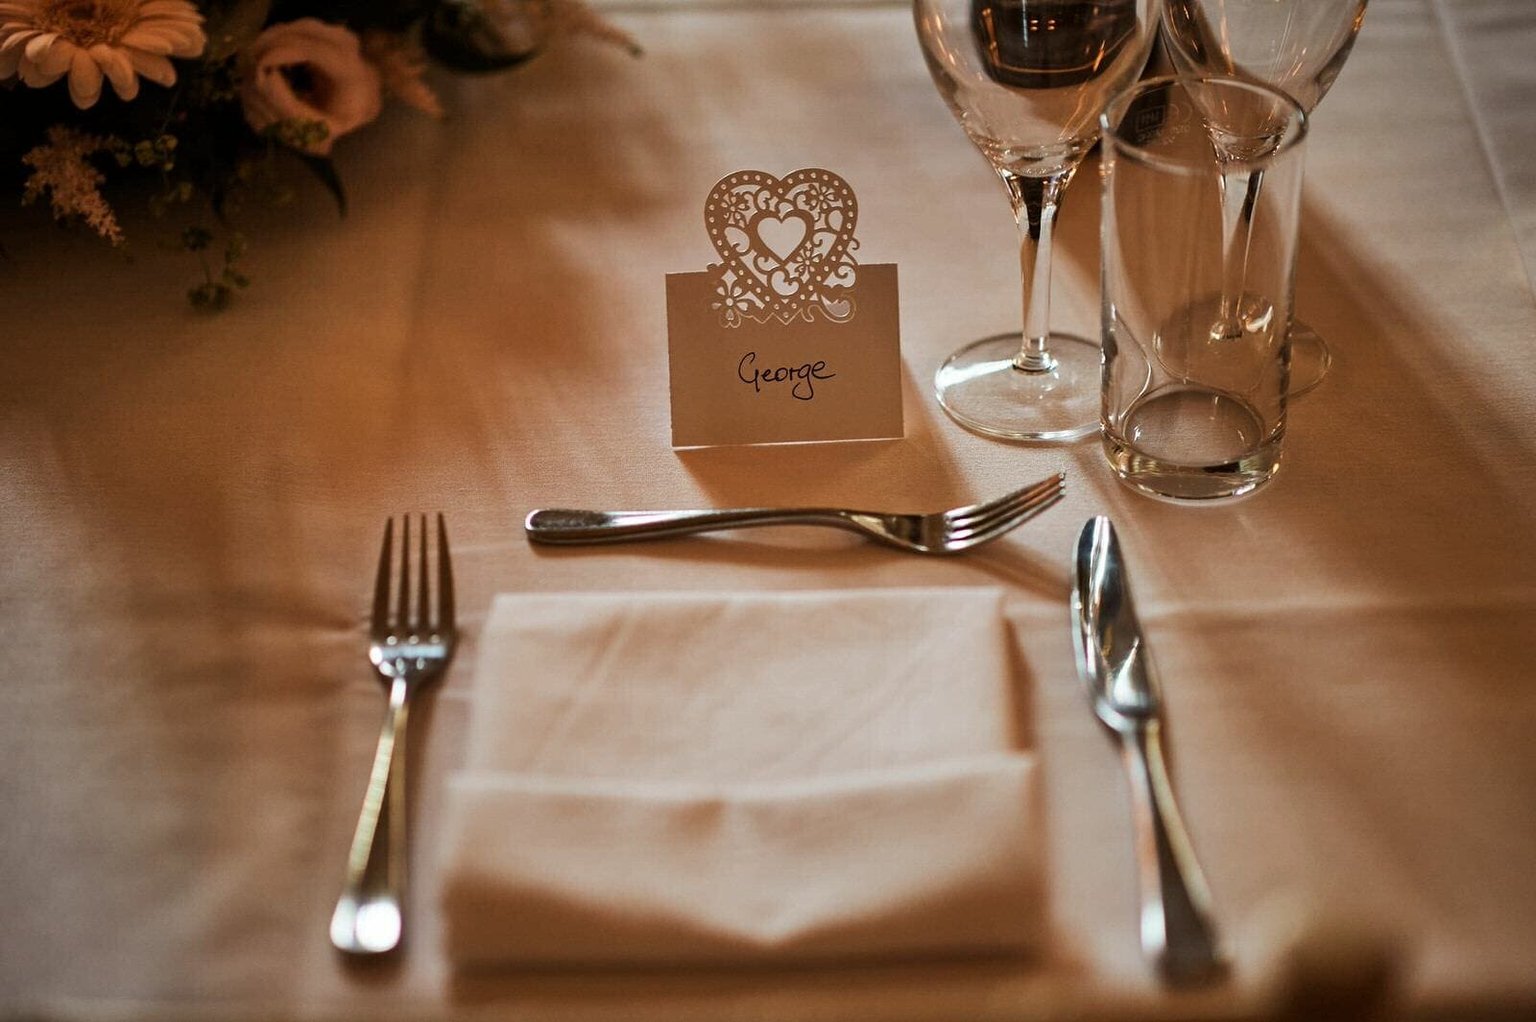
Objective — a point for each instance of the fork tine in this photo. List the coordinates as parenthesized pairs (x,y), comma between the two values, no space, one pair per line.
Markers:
(1002,526)
(403,598)
(424,597)
(1001,520)
(977,516)
(967,514)
(381,587)
(444,578)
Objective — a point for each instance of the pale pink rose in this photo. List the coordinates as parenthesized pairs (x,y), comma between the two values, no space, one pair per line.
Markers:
(307,70)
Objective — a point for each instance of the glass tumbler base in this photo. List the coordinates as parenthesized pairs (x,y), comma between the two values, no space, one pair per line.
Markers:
(1191,445)
(982,389)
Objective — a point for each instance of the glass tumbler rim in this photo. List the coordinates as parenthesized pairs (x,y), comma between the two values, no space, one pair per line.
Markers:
(1115,110)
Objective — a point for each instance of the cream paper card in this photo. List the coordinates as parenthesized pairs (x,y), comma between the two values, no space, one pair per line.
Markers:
(786,339)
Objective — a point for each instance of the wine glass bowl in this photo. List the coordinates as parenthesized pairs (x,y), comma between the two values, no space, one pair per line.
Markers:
(1026,80)
(1297,46)
(1027,93)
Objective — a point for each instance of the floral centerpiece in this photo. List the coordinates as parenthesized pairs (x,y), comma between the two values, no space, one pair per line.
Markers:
(214,102)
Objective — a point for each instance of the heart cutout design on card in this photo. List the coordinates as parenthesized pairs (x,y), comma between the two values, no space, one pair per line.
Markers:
(782,236)
(785,244)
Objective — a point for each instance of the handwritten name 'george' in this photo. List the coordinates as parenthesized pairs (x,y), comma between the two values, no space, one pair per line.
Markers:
(801,378)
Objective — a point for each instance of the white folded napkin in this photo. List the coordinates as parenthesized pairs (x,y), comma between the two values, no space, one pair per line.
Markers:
(718,777)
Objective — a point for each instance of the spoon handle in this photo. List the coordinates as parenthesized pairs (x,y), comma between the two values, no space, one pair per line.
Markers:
(1176,929)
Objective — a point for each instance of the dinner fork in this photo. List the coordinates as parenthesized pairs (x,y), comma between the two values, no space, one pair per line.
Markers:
(941,532)
(408,646)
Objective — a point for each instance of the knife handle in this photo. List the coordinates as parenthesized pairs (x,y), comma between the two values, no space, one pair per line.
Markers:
(1176,929)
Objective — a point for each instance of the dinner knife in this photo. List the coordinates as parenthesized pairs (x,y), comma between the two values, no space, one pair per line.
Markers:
(1177,933)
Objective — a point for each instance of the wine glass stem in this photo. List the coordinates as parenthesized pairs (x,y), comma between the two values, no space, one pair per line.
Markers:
(1239,196)
(1035,201)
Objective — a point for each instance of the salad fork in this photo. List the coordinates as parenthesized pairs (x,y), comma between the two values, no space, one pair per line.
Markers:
(941,532)
(408,646)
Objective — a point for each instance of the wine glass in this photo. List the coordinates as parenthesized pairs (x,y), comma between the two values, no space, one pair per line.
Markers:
(1298,46)
(1027,79)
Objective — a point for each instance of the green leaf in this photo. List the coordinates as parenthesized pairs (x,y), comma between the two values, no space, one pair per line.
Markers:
(230,29)
(196,238)
(210,296)
(459,35)
(325,170)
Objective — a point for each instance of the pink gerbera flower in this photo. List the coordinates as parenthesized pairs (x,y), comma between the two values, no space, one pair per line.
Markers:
(88,40)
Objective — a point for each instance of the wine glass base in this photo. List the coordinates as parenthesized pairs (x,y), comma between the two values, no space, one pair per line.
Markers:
(982,389)
(1310,359)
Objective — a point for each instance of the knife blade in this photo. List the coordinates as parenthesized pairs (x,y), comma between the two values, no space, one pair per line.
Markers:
(1177,932)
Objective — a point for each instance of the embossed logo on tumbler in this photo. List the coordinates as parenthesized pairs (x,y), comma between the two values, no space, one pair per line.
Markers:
(1202,189)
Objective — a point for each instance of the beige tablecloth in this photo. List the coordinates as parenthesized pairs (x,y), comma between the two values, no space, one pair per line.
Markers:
(190,507)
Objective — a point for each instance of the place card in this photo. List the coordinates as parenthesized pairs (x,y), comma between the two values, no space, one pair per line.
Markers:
(786,339)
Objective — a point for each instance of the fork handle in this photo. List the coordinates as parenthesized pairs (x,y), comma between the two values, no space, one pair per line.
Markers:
(564,525)
(367,919)
(1176,928)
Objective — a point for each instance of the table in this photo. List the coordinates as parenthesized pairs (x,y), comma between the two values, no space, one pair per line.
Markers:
(191,504)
